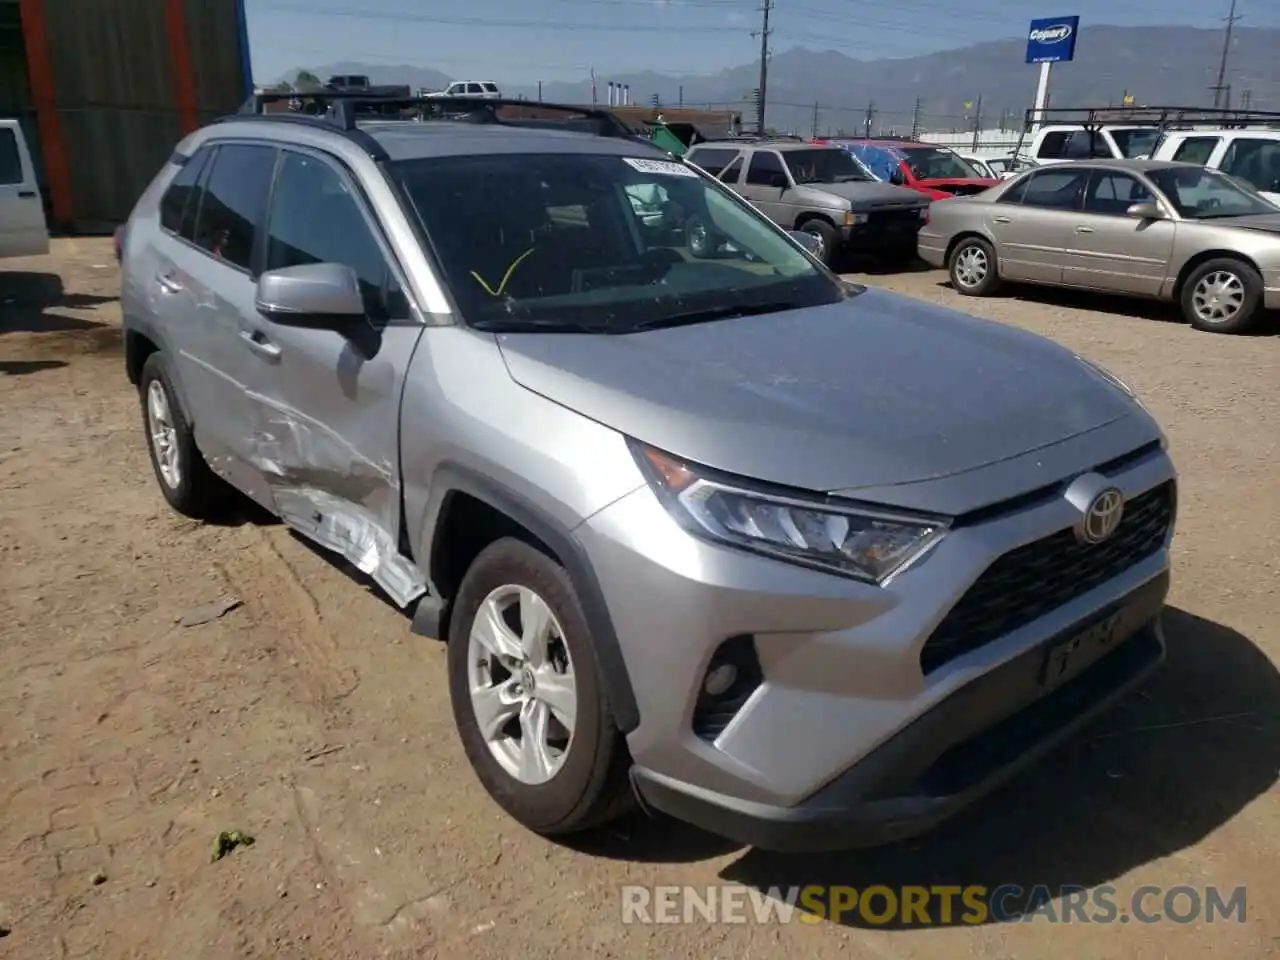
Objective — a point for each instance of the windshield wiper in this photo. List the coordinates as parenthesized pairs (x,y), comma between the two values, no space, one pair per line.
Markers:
(850,178)
(708,315)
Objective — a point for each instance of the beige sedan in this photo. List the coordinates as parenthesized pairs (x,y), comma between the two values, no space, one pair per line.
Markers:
(1154,229)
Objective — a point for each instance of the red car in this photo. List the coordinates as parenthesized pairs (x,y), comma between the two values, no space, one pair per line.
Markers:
(937,172)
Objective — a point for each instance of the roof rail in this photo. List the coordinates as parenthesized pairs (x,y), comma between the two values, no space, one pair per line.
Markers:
(344,109)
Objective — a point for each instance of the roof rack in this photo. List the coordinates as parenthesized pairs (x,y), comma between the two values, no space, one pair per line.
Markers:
(344,109)
(1092,119)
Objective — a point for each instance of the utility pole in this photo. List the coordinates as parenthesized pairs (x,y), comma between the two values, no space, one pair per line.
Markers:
(682,94)
(1218,88)
(977,121)
(765,7)
(1246,98)
(539,91)
(870,117)
(915,119)
(815,119)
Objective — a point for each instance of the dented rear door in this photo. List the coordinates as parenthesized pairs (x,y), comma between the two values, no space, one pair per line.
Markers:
(326,431)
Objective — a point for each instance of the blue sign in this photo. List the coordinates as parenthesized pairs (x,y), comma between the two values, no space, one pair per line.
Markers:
(1052,39)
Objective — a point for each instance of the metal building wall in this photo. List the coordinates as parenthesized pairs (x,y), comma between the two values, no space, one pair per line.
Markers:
(126,80)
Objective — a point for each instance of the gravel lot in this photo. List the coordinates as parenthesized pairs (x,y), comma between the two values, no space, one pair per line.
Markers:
(309,717)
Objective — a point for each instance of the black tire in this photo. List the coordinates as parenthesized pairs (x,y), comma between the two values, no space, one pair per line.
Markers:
(699,238)
(198,491)
(1235,273)
(963,283)
(592,787)
(826,236)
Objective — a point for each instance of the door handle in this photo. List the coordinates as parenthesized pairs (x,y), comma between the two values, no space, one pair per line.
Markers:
(260,344)
(1084,229)
(168,284)
(1001,220)
(27,194)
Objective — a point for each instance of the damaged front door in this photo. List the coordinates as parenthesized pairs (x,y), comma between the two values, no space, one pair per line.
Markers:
(327,403)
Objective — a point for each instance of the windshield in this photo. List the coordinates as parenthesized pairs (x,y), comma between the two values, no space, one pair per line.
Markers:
(611,244)
(1136,143)
(937,163)
(830,165)
(1200,193)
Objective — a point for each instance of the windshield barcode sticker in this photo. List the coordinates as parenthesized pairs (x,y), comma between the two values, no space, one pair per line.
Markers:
(668,168)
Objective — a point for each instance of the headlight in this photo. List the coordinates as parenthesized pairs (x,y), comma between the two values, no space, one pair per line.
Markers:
(852,219)
(863,543)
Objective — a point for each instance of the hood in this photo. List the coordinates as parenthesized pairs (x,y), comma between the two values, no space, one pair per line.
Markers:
(957,186)
(875,391)
(868,194)
(1265,222)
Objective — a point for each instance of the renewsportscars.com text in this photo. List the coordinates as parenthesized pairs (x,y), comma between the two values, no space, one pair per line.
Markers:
(936,905)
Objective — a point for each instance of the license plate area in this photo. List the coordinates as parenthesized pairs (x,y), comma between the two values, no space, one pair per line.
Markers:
(1066,658)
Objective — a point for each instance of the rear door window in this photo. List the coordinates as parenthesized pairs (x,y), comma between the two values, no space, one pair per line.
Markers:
(712,159)
(234,204)
(180,202)
(10,159)
(1255,161)
(765,166)
(1196,150)
(1054,189)
(732,172)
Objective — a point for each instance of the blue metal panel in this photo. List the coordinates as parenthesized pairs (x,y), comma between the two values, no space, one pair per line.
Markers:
(1052,39)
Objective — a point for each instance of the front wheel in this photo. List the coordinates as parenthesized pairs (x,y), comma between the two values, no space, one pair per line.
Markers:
(973,268)
(527,697)
(1223,296)
(825,239)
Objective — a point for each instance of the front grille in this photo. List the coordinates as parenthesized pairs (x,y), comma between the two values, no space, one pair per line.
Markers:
(1035,579)
(895,223)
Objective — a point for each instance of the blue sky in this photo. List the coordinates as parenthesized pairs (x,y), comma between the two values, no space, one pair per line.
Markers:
(550,40)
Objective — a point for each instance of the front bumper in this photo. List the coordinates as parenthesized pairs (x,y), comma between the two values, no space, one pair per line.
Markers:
(959,751)
(840,663)
(871,237)
(931,248)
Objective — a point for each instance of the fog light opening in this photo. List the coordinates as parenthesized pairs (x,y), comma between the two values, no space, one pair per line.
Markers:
(719,679)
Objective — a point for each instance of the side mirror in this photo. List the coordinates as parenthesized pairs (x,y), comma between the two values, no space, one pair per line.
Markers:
(1145,211)
(323,296)
(898,178)
(806,240)
(779,180)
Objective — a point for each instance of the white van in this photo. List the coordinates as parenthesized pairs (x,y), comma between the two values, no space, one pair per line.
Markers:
(23,231)
(1252,156)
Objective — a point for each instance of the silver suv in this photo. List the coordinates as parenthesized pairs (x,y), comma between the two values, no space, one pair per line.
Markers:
(805,563)
(822,191)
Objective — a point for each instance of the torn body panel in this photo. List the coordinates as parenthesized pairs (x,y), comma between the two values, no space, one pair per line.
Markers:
(333,472)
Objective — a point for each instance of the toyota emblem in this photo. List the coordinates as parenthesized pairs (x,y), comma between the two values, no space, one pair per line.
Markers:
(1101,517)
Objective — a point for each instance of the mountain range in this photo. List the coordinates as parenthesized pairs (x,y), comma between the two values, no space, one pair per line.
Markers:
(986,84)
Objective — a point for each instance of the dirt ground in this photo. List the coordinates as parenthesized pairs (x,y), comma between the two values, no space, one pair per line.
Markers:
(310,718)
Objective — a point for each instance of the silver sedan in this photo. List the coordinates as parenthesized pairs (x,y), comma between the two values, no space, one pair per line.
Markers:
(1154,229)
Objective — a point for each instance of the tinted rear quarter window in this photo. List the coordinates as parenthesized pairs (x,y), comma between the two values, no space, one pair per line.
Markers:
(10,159)
(234,203)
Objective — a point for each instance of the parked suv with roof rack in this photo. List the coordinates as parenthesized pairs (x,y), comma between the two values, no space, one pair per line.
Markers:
(818,190)
(673,516)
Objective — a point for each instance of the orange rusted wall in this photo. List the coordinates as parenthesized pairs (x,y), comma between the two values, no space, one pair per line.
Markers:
(116,83)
